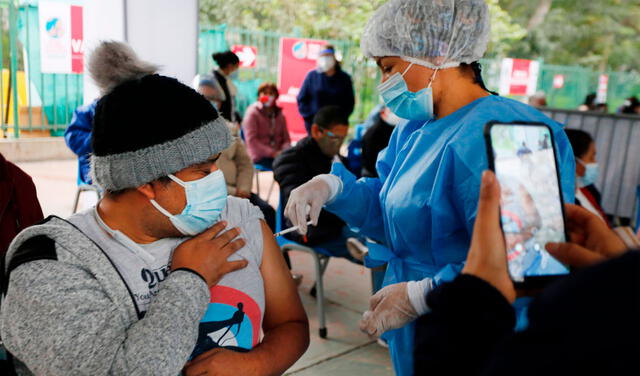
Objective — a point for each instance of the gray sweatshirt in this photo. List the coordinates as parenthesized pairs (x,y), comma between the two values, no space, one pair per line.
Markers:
(72,314)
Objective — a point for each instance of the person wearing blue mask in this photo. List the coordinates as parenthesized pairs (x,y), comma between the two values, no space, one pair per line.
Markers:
(167,274)
(587,172)
(423,204)
(326,85)
(227,71)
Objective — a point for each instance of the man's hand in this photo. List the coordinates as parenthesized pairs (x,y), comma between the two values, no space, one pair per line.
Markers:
(591,240)
(207,253)
(218,362)
(487,258)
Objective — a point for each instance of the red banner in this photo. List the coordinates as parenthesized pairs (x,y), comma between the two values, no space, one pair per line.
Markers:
(77,40)
(519,77)
(297,57)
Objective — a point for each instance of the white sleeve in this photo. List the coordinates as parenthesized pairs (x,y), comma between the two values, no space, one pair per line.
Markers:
(417,291)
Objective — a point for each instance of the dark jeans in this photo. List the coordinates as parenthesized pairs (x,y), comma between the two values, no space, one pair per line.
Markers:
(266,162)
(268,211)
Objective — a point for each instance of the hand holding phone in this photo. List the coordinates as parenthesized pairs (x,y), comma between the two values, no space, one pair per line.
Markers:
(487,258)
(522,155)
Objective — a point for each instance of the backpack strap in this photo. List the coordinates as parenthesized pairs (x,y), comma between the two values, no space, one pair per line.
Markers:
(39,247)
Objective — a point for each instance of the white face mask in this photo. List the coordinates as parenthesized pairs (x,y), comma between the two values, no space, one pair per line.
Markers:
(325,63)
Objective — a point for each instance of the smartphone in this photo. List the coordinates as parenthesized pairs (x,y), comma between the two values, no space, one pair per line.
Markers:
(522,155)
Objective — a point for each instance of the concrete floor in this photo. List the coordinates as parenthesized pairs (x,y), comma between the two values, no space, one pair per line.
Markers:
(346,351)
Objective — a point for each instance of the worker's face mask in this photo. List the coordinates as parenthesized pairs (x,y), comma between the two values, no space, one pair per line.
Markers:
(206,198)
(590,173)
(325,63)
(404,103)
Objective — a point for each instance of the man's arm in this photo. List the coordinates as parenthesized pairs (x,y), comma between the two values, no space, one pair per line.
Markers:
(286,328)
(56,308)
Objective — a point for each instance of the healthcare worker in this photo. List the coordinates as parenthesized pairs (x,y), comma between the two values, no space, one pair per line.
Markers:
(423,204)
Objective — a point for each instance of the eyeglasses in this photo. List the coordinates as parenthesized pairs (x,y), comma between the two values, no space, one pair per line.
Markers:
(333,136)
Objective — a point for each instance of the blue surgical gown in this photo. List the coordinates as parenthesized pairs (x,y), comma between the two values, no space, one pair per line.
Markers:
(423,205)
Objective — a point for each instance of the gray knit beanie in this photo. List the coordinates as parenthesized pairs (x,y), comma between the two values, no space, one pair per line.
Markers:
(151,127)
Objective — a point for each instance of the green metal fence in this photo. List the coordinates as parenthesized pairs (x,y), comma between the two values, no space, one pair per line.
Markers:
(579,81)
(32,103)
(37,103)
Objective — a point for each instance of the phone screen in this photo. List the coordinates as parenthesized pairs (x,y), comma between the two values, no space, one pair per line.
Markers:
(531,203)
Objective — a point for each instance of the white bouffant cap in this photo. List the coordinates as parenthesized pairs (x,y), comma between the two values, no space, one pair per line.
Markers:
(433,33)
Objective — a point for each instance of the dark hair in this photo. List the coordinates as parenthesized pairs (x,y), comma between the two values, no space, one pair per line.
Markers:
(226,58)
(590,99)
(164,180)
(330,116)
(476,68)
(268,86)
(580,141)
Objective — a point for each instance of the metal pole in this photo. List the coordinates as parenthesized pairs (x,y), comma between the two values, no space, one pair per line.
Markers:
(13,53)
(28,67)
(2,104)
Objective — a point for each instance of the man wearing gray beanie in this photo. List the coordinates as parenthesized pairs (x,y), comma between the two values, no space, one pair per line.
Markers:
(166,268)
(110,64)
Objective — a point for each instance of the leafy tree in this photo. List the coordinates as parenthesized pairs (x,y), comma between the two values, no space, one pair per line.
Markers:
(599,34)
(328,19)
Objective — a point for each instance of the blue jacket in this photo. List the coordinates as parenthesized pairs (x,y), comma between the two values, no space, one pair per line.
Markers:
(78,138)
(319,90)
(423,205)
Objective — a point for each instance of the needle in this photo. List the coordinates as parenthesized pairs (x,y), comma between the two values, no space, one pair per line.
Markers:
(290,229)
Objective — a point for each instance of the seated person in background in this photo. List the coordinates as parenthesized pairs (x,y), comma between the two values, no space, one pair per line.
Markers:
(312,156)
(375,139)
(19,206)
(631,106)
(235,162)
(584,149)
(238,173)
(265,128)
(122,64)
(583,324)
(165,269)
